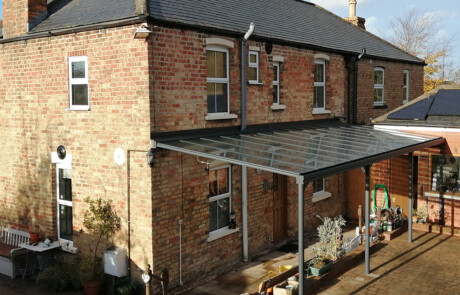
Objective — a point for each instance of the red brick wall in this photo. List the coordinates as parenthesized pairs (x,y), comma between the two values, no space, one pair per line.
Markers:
(179,87)
(34,98)
(393,86)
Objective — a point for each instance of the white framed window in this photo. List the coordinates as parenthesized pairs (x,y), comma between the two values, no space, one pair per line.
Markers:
(319,190)
(379,81)
(319,92)
(253,67)
(218,90)
(219,199)
(319,185)
(78,83)
(64,203)
(405,86)
(276,83)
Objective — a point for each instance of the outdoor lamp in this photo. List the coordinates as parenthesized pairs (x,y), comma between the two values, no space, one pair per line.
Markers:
(142,32)
(61,152)
(150,158)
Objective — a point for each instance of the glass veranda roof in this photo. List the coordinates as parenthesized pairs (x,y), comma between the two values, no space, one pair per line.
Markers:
(312,149)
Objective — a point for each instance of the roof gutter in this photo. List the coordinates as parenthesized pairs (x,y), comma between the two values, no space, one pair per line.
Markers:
(98,26)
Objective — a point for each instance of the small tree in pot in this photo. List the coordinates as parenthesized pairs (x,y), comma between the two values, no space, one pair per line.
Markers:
(101,221)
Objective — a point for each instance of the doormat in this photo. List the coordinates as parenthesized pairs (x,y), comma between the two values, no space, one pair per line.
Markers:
(288,248)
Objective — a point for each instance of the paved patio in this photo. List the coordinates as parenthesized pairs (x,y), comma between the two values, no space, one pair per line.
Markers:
(430,265)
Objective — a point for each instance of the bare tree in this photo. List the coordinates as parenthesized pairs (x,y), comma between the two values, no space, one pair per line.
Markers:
(416,33)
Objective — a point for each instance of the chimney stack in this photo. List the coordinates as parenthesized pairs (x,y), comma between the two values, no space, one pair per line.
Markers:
(20,16)
(352,18)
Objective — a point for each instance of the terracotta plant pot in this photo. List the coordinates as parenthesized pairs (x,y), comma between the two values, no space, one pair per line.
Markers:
(34,238)
(93,288)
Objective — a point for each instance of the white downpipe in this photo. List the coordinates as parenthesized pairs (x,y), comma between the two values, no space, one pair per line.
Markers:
(180,253)
(244,192)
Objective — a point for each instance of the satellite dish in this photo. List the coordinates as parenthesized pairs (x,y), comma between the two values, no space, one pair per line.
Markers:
(119,156)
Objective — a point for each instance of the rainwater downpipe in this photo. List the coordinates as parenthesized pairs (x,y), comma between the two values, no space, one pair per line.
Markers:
(244,179)
(243,75)
(355,92)
(181,283)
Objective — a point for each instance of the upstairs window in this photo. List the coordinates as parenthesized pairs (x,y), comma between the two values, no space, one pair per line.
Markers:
(406,86)
(219,199)
(253,70)
(379,93)
(217,80)
(78,83)
(276,83)
(319,93)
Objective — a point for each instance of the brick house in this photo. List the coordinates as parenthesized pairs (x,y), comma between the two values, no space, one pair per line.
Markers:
(436,169)
(80,75)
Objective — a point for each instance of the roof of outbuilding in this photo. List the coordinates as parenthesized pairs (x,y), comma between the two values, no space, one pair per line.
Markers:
(63,14)
(286,21)
(290,21)
(440,107)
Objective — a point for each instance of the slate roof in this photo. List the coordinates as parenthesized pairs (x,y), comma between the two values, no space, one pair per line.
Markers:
(284,21)
(64,14)
(441,109)
(288,20)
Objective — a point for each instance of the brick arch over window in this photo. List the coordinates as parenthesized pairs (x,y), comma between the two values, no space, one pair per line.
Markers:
(219,42)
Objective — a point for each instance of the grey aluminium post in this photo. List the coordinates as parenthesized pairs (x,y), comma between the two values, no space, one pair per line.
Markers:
(244,192)
(410,193)
(300,213)
(366,213)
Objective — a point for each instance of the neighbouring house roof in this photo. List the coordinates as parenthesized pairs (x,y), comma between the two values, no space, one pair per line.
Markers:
(438,108)
(64,14)
(290,21)
(311,149)
(284,21)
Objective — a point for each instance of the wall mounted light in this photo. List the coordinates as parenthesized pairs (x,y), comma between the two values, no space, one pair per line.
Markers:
(150,158)
(142,32)
(61,152)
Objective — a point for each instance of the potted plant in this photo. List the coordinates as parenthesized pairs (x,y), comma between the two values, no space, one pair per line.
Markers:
(422,214)
(101,221)
(414,215)
(330,245)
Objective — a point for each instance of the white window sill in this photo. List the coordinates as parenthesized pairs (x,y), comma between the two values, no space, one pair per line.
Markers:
(278,107)
(79,109)
(222,233)
(67,246)
(220,117)
(318,196)
(255,83)
(320,111)
(379,104)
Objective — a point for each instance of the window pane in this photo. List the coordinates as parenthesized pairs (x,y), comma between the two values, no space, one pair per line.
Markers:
(318,185)
(223,213)
(318,97)
(80,94)
(211,63)
(65,185)
(405,79)
(405,98)
(212,183)
(378,95)
(252,58)
(275,73)
(222,180)
(252,74)
(378,77)
(319,73)
(213,216)
(78,69)
(276,93)
(65,222)
(221,98)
